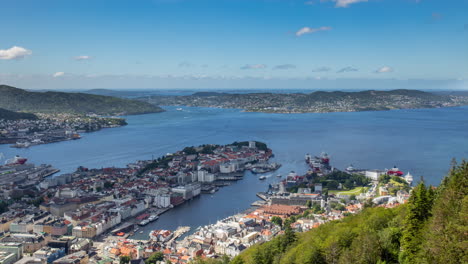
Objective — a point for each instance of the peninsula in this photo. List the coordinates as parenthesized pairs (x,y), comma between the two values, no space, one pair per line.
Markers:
(316,102)
(35,118)
(19,100)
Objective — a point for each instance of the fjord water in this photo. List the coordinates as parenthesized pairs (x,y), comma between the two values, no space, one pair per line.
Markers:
(421,141)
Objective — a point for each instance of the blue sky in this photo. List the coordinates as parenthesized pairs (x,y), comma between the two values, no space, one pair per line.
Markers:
(335,44)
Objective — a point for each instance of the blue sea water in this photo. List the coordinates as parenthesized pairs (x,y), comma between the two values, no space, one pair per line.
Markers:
(421,141)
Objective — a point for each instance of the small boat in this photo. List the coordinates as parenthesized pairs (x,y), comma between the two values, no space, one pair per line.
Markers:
(144,222)
(141,232)
(262,178)
(179,109)
(279,175)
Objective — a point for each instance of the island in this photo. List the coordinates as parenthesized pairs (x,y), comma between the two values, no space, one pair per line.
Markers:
(316,102)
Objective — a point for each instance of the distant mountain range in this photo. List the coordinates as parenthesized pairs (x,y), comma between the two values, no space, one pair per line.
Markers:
(15,99)
(317,102)
(10,115)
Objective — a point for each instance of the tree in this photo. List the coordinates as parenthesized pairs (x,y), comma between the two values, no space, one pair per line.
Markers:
(237,260)
(447,230)
(419,210)
(289,235)
(3,207)
(277,221)
(309,204)
(124,259)
(108,185)
(189,150)
(158,256)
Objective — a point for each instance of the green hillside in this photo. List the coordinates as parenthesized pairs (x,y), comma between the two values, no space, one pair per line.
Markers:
(15,99)
(431,228)
(319,101)
(10,115)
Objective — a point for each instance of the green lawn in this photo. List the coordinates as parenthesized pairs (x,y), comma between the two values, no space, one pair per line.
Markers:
(355,191)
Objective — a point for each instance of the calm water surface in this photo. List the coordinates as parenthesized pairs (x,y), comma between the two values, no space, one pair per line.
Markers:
(420,141)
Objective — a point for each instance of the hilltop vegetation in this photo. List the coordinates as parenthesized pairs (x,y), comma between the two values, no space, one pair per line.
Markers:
(431,228)
(15,99)
(11,115)
(315,102)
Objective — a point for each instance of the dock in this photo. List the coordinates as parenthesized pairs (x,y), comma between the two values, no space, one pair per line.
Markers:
(179,232)
(262,196)
(259,203)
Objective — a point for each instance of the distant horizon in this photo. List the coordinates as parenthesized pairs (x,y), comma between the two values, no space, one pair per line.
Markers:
(240,84)
(232,90)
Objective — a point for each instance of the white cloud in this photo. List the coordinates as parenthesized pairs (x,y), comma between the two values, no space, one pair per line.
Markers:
(308,30)
(14,52)
(253,66)
(384,69)
(58,74)
(344,3)
(83,57)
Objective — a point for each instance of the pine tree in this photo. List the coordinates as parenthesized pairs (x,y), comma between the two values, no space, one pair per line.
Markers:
(419,210)
(448,228)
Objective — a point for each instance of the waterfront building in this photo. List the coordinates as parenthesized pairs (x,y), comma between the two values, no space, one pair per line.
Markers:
(162,201)
(188,191)
(229,167)
(205,176)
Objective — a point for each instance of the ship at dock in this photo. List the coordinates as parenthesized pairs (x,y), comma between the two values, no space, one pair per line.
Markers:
(150,219)
(17,160)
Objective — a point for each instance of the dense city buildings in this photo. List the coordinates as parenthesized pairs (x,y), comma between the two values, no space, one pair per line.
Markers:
(89,216)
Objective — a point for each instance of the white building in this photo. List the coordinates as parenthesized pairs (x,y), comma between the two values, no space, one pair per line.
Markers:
(229,167)
(205,176)
(162,200)
(373,174)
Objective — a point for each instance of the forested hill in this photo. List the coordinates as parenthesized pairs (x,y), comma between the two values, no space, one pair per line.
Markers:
(431,228)
(10,115)
(15,99)
(315,102)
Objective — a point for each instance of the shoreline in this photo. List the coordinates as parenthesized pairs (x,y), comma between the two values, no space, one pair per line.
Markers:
(312,112)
